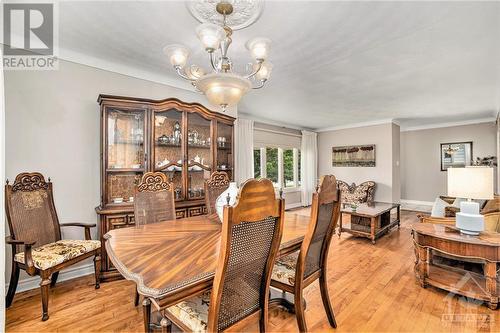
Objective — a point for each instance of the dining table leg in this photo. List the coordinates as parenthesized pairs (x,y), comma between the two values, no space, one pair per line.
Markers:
(146,309)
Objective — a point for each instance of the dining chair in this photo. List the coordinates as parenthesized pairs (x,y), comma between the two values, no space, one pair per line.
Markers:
(154,201)
(35,236)
(250,239)
(214,186)
(297,270)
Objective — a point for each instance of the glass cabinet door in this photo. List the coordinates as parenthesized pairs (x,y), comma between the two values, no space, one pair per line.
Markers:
(125,151)
(199,155)
(224,142)
(167,143)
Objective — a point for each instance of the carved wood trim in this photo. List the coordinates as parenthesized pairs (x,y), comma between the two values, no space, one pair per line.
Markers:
(29,181)
(218,179)
(165,103)
(154,182)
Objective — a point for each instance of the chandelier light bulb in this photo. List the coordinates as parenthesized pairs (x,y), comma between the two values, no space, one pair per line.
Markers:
(210,35)
(264,72)
(259,47)
(177,54)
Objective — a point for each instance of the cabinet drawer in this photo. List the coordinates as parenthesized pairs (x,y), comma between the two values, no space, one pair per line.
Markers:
(196,211)
(181,213)
(119,221)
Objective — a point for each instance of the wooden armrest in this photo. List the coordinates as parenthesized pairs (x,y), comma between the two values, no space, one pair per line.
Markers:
(10,240)
(436,220)
(87,227)
(78,224)
(28,259)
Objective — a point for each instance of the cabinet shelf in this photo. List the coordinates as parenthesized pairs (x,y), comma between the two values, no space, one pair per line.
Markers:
(125,170)
(128,142)
(160,144)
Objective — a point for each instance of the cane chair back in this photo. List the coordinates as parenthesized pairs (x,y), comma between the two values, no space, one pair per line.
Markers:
(325,211)
(154,199)
(30,209)
(214,186)
(251,234)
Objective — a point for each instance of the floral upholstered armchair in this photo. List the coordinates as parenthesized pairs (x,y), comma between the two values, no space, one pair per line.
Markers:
(353,194)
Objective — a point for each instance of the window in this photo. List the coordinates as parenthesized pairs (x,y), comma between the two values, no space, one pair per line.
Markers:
(280,165)
(272,165)
(256,163)
(288,169)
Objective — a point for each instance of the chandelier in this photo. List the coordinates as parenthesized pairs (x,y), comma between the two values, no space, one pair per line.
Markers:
(222,86)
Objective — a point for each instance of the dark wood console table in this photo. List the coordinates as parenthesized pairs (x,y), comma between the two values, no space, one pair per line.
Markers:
(447,241)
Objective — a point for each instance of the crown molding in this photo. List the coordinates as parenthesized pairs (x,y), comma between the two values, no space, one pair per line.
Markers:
(362,124)
(449,124)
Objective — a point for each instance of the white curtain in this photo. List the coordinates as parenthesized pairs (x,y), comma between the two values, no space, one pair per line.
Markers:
(308,163)
(244,150)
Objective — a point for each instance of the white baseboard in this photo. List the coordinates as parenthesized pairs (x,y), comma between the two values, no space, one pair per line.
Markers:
(66,274)
(417,202)
(293,205)
(417,205)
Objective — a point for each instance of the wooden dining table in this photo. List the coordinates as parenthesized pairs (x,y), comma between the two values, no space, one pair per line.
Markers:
(172,260)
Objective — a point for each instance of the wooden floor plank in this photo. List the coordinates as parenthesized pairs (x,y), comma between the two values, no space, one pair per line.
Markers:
(372,289)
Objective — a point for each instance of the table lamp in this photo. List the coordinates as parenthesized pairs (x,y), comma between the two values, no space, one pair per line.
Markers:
(470,183)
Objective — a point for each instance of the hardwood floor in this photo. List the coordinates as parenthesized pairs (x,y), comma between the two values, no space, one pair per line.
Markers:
(372,288)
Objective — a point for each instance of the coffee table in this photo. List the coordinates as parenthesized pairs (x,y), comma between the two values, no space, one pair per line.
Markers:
(370,220)
(484,249)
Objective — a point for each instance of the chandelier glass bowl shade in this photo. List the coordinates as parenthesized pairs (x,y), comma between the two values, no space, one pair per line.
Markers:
(222,86)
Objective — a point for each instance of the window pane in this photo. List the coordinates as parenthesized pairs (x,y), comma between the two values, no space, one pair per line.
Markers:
(256,163)
(288,167)
(272,164)
(298,162)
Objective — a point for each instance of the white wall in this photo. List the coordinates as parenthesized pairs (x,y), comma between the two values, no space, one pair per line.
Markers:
(422,178)
(387,155)
(52,121)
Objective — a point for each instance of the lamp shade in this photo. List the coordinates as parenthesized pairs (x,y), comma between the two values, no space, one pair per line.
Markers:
(177,54)
(210,35)
(471,182)
(259,47)
(224,89)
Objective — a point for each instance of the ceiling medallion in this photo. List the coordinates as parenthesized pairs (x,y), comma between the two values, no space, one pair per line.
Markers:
(245,12)
(222,86)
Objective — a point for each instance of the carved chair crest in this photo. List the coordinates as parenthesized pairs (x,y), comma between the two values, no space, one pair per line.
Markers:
(29,181)
(154,182)
(218,179)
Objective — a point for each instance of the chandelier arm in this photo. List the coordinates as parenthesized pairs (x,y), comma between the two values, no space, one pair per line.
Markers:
(259,63)
(181,74)
(196,89)
(212,61)
(262,84)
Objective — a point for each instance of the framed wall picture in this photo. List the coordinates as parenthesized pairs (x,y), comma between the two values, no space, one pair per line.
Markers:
(353,156)
(456,155)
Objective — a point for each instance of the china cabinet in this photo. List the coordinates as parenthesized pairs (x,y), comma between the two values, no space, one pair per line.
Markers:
(185,141)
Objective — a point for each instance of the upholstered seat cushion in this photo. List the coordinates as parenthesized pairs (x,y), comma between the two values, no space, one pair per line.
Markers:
(53,254)
(192,312)
(284,268)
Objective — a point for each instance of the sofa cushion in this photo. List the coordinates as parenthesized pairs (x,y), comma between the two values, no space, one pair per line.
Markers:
(361,193)
(53,254)
(438,209)
(492,206)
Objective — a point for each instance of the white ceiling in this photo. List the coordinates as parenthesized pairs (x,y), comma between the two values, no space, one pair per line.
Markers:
(335,63)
